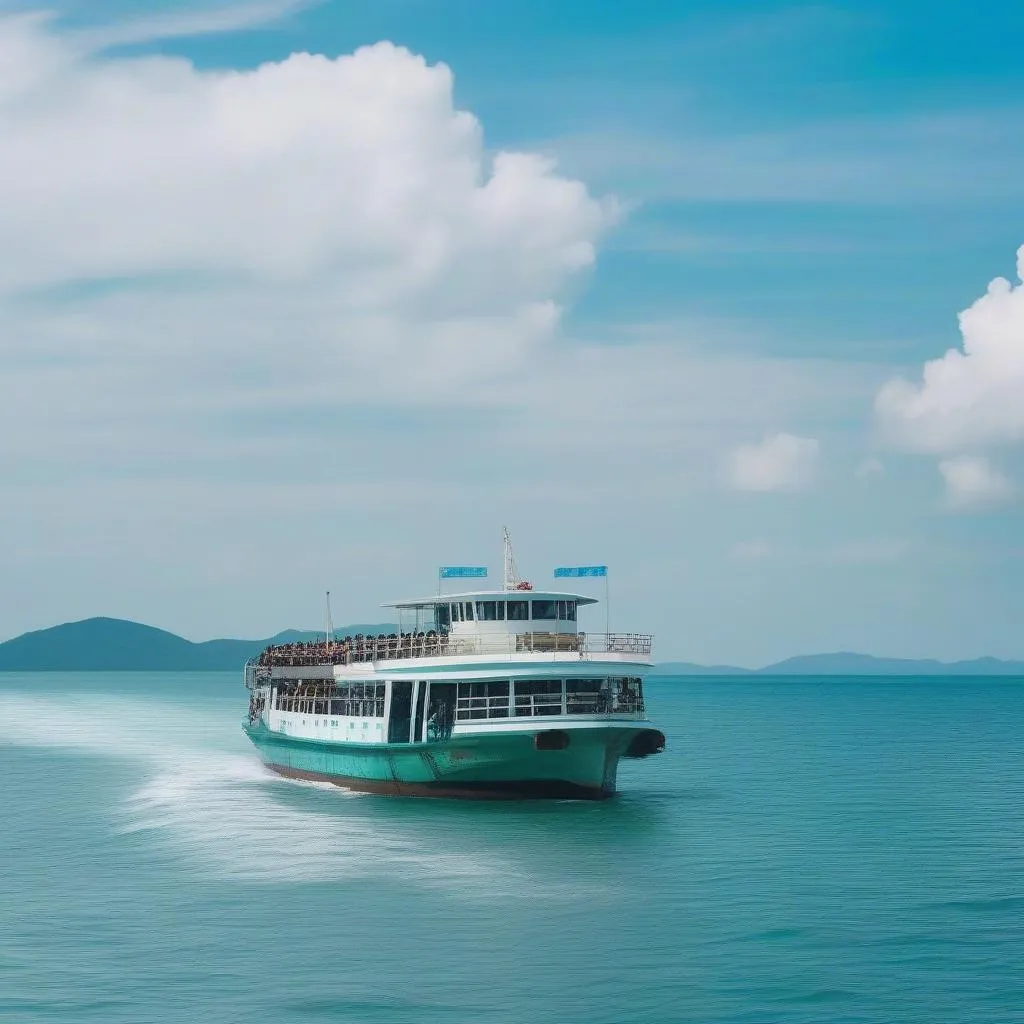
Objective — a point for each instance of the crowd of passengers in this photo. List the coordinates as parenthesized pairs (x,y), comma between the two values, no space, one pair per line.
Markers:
(347,649)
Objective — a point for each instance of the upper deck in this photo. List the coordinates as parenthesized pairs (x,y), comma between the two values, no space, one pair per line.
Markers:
(514,623)
(505,624)
(352,650)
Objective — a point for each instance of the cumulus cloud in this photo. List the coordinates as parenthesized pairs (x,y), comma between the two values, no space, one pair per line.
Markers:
(306,292)
(973,396)
(971,481)
(352,189)
(780,462)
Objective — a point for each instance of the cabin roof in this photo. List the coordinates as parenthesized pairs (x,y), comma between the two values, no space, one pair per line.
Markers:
(491,595)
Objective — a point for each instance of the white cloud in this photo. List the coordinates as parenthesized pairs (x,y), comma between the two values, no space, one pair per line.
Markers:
(780,462)
(351,188)
(972,396)
(189,21)
(302,293)
(971,481)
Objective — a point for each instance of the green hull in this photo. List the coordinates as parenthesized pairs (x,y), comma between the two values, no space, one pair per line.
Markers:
(484,766)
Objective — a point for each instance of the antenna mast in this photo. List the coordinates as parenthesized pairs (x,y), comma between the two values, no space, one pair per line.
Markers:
(329,630)
(511,577)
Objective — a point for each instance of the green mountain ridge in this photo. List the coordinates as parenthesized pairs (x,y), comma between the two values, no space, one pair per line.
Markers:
(110,645)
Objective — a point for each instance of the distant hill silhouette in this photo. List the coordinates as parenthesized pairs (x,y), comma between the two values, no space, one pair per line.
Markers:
(845,663)
(107,645)
(690,668)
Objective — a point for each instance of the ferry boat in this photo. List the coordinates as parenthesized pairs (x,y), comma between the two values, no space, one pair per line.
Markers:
(487,694)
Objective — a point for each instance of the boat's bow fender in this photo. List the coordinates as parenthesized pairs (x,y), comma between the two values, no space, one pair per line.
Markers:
(643,744)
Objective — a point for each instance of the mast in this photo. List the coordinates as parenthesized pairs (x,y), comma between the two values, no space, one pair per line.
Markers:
(328,625)
(510,575)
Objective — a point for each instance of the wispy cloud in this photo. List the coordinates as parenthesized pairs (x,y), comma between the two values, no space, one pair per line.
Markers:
(779,462)
(756,550)
(188,22)
(870,468)
(967,156)
(868,551)
(973,482)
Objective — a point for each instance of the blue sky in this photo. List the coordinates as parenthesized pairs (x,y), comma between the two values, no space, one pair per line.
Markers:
(326,353)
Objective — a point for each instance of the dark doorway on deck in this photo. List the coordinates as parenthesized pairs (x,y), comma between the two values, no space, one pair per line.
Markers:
(441,711)
(401,712)
(421,698)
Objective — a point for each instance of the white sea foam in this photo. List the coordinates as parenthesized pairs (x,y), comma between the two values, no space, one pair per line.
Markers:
(223,810)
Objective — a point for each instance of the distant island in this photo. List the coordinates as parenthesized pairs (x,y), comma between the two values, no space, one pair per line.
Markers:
(111,645)
(845,663)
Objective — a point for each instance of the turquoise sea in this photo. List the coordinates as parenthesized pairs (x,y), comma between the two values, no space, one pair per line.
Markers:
(804,851)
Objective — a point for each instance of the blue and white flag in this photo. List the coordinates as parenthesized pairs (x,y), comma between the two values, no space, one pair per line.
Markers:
(448,572)
(581,570)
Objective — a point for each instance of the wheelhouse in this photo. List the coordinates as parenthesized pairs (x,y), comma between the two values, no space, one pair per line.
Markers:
(488,611)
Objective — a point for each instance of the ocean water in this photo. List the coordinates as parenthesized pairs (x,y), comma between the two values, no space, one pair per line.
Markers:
(804,851)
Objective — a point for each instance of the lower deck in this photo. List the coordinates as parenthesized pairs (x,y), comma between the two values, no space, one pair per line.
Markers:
(410,711)
(453,737)
(580,761)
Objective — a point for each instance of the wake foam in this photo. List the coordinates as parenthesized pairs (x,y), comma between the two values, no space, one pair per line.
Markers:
(237,818)
(225,812)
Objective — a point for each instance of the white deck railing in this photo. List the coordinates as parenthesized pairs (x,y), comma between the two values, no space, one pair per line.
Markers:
(424,645)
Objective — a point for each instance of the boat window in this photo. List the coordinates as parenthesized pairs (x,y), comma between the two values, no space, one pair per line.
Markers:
(518,611)
(482,700)
(356,700)
(566,610)
(543,609)
(538,697)
(585,697)
(442,616)
(626,694)
(467,609)
(490,611)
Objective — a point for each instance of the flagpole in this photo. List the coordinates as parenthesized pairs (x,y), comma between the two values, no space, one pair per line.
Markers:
(607,605)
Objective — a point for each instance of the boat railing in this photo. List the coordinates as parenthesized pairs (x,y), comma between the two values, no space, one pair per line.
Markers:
(437,645)
(544,705)
(256,673)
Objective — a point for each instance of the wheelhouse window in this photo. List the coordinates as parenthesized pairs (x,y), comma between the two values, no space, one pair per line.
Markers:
(518,611)
(457,611)
(482,700)
(566,611)
(543,609)
(490,611)
(467,609)
(538,697)
(442,617)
